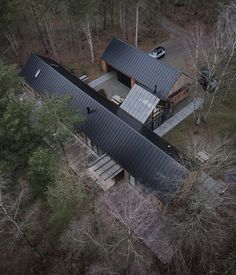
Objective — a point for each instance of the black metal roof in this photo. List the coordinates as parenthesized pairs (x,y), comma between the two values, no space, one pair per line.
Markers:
(143,68)
(137,149)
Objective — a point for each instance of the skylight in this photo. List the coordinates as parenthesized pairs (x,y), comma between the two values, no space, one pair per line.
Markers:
(37,73)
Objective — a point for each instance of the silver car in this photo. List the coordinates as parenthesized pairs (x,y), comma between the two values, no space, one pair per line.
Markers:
(158,52)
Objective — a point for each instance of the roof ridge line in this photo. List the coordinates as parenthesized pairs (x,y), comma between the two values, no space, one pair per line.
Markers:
(138,49)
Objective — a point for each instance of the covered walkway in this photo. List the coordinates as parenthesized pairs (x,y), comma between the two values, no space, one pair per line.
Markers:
(178,117)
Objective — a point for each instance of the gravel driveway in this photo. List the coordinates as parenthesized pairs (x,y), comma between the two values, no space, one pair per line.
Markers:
(176,49)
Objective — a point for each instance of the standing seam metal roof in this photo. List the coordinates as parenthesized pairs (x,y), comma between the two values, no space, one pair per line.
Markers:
(145,69)
(138,150)
(139,103)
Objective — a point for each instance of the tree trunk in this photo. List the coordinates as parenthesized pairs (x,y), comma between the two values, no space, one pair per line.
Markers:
(12,40)
(105,17)
(112,12)
(12,220)
(95,22)
(121,16)
(136,24)
(39,29)
(48,28)
(80,43)
(72,31)
(219,83)
(125,34)
(88,33)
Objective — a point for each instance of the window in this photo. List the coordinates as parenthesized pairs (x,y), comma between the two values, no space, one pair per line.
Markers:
(37,73)
(95,148)
(100,152)
(132,180)
(89,143)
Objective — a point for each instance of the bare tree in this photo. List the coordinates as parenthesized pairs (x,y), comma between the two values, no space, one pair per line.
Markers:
(12,41)
(88,33)
(202,229)
(214,54)
(219,152)
(9,209)
(138,5)
(203,225)
(111,232)
(137,24)
(49,31)
(37,22)
(123,19)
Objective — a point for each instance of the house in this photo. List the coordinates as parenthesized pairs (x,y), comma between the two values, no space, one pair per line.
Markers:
(135,67)
(147,161)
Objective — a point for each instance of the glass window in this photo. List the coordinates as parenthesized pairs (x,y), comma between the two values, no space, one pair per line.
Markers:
(95,148)
(132,180)
(100,152)
(37,73)
(89,142)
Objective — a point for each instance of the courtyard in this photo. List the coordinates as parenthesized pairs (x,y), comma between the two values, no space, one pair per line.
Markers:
(110,84)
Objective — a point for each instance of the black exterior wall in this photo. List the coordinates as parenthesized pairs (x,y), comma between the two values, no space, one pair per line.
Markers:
(124,79)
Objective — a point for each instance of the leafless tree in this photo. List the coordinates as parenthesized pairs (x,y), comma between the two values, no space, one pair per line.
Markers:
(51,39)
(138,4)
(203,224)
(74,190)
(88,33)
(123,19)
(220,154)
(9,222)
(12,41)
(111,232)
(202,229)
(214,53)
(137,24)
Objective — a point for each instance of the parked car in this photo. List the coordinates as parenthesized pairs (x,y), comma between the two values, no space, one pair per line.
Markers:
(207,80)
(158,52)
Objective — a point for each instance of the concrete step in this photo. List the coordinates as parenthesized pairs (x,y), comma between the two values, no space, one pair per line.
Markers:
(104,170)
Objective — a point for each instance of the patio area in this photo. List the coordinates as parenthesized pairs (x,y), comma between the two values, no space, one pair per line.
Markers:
(109,83)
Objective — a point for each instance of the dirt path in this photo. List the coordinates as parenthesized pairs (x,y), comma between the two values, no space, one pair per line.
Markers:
(173,28)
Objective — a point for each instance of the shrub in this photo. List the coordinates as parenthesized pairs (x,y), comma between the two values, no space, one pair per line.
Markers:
(102,92)
(82,69)
(66,198)
(41,165)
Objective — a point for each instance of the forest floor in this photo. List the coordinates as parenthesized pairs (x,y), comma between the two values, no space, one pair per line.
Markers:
(76,56)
